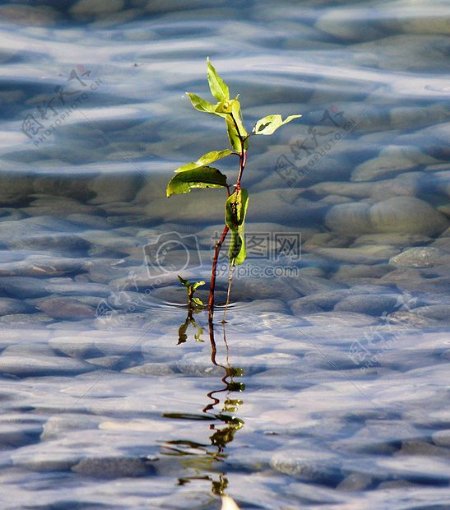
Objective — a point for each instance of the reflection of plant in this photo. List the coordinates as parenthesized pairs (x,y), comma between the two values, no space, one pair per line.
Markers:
(198,174)
(195,305)
(200,459)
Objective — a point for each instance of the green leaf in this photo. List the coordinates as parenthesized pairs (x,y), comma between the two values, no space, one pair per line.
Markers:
(203,177)
(196,285)
(269,124)
(197,301)
(200,104)
(206,159)
(237,252)
(184,282)
(236,112)
(231,111)
(233,134)
(235,211)
(219,89)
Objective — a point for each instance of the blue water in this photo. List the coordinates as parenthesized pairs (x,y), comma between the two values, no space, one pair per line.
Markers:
(325,384)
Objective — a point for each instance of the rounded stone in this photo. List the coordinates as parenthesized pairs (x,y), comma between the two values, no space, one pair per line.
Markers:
(367,304)
(407,215)
(352,219)
(112,467)
(66,308)
(402,215)
(426,256)
(85,8)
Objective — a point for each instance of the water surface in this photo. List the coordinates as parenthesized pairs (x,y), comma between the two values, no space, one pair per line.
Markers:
(327,386)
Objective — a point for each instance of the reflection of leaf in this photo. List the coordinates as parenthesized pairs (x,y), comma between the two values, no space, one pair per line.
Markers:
(228,503)
(182,331)
(269,124)
(182,336)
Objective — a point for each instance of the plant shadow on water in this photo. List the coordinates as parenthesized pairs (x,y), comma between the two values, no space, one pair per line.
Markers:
(206,461)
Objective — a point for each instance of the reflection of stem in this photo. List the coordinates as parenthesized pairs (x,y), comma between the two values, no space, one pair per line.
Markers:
(223,424)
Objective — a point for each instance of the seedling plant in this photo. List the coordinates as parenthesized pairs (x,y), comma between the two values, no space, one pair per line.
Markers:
(199,174)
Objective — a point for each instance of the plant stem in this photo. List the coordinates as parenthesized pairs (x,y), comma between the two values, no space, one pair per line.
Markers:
(212,285)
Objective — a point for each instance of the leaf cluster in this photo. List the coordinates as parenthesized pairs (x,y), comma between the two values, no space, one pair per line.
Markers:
(200,173)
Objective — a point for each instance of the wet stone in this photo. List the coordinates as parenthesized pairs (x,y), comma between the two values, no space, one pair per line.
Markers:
(370,254)
(442,438)
(427,256)
(355,482)
(391,161)
(29,15)
(306,285)
(68,287)
(66,308)
(68,244)
(150,369)
(23,287)
(57,426)
(422,448)
(403,215)
(10,306)
(24,320)
(434,312)
(39,366)
(410,319)
(325,300)
(57,206)
(87,8)
(368,304)
(38,459)
(317,466)
(109,189)
(14,434)
(353,272)
(112,467)
(42,266)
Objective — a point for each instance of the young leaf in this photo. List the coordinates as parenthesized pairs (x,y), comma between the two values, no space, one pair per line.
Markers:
(269,124)
(237,252)
(233,134)
(206,159)
(236,112)
(219,89)
(203,177)
(197,301)
(184,282)
(200,104)
(236,209)
(196,285)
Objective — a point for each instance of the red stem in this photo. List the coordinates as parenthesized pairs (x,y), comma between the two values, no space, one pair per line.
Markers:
(212,285)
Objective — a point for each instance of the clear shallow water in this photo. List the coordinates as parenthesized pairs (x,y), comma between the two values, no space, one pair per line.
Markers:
(330,387)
